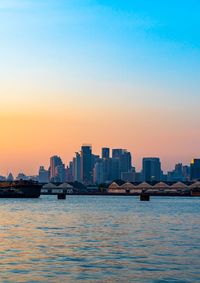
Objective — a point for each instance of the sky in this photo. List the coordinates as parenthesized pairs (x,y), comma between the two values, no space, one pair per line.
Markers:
(117,73)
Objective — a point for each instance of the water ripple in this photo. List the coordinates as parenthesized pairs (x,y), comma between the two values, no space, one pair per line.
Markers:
(100,239)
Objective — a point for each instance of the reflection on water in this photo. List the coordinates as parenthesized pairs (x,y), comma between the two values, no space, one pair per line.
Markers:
(100,239)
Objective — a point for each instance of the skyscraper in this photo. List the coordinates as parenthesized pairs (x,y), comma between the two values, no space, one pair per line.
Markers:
(116,163)
(117,152)
(57,169)
(60,175)
(107,169)
(98,174)
(43,176)
(178,172)
(86,164)
(105,152)
(151,169)
(128,176)
(121,162)
(77,167)
(195,169)
(70,172)
(125,162)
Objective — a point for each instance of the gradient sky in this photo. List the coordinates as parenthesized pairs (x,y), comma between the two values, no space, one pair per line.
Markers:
(110,73)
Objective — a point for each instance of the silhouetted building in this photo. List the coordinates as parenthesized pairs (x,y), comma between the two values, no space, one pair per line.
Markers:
(87,168)
(107,169)
(163,177)
(95,159)
(98,174)
(128,176)
(178,173)
(105,152)
(125,162)
(69,172)
(186,172)
(86,164)
(115,169)
(117,152)
(195,169)
(151,169)
(43,176)
(138,177)
(77,167)
(57,169)
(170,176)
(121,162)
(60,175)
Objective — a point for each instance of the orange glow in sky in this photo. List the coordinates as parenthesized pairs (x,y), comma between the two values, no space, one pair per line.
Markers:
(116,74)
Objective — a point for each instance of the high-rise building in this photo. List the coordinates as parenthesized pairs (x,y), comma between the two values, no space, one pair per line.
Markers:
(57,169)
(60,175)
(115,169)
(117,152)
(128,176)
(77,167)
(70,172)
(138,177)
(151,169)
(98,176)
(43,176)
(121,162)
(105,152)
(107,169)
(116,163)
(186,172)
(170,176)
(178,173)
(95,159)
(125,162)
(195,169)
(86,164)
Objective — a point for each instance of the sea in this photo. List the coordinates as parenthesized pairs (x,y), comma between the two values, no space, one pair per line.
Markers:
(100,239)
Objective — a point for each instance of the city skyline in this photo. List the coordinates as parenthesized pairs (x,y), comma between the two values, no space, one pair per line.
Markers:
(111,164)
(136,163)
(121,73)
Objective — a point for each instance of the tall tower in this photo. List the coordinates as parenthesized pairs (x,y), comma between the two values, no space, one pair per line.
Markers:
(105,152)
(56,167)
(121,162)
(77,167)
(43,175)
(151,169)
(195,169)
(86,164)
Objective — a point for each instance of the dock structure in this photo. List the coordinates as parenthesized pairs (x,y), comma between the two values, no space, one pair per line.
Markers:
(153,188)
(55,189)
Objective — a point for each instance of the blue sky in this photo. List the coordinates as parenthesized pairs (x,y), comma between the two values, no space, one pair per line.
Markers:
(141,56)
(129,41)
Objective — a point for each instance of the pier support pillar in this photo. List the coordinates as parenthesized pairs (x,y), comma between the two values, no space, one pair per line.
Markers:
(61,196)
(144,197)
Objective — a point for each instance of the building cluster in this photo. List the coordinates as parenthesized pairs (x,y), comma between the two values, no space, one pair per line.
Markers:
(115,164)
(88,168)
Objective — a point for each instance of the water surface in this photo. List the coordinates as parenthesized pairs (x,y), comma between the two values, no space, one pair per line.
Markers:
(100,239)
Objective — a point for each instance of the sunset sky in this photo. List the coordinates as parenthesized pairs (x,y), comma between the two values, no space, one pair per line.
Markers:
(117,73)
